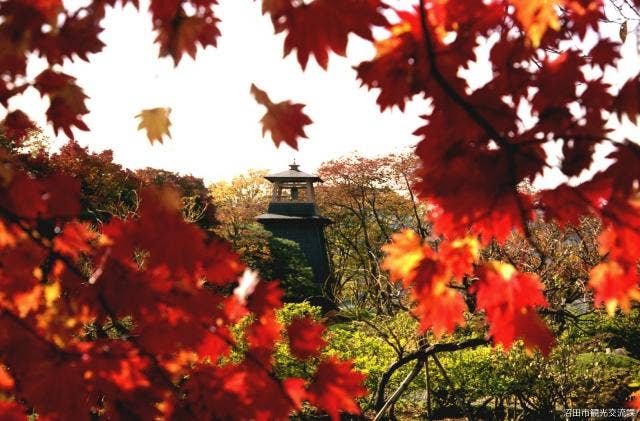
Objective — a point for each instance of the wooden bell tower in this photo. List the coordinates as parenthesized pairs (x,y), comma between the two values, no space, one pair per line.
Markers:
(293,215)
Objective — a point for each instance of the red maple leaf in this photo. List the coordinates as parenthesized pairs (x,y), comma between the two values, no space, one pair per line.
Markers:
(285,120)
(612,196)
(628,100)
(66,101)
(473,190)
(320,26)
(12,411)
(509,299)
(266,297)
(18,266)
(168,247)
(605,53)
(216,343)
(180,32)
(334,388)
(61,196)
(305,338)
(78,36)
(400,69)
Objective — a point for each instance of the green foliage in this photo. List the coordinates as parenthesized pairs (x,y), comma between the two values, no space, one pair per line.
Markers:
(370,354)
(597,330)
(578,373)
(285,364)
(374,342)
(291,311)
(290,266)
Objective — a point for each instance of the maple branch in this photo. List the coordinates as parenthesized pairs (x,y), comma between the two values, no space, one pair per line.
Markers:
(128,337)
(632,7)
(444,84)
(29,329)
(72,267)
(473,113)
(422,353)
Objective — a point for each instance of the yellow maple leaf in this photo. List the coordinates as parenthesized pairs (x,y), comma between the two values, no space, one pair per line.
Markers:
(156,122)
(536,16)
(403,255)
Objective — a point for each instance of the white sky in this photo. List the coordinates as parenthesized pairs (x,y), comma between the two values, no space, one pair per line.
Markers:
(216,131)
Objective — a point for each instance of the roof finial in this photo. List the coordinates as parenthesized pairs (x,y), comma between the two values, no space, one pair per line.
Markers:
(294,166)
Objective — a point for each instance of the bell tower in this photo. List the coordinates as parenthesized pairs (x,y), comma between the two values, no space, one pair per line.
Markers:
(293,215)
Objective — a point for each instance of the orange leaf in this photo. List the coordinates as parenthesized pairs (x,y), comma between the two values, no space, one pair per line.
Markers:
(439,307)
(509,299)
(285,120)
(614,286)
(6,381)
(403,255)
(536,16)
(74,240)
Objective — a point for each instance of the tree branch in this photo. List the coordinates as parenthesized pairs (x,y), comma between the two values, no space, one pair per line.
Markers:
(422,353)
(400,390)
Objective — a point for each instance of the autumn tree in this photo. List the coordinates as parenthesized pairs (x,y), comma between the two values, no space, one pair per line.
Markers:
(197,207)
(368,199)
(238,202)
(107,188)
(553,79)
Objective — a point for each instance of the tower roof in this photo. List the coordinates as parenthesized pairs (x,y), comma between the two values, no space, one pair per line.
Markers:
(292,174)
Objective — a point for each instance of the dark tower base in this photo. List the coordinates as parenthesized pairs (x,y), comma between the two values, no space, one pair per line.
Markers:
(308,232)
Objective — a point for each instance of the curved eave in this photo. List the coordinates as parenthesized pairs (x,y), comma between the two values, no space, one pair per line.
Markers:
(275,177)
(266,217)
(292,175)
